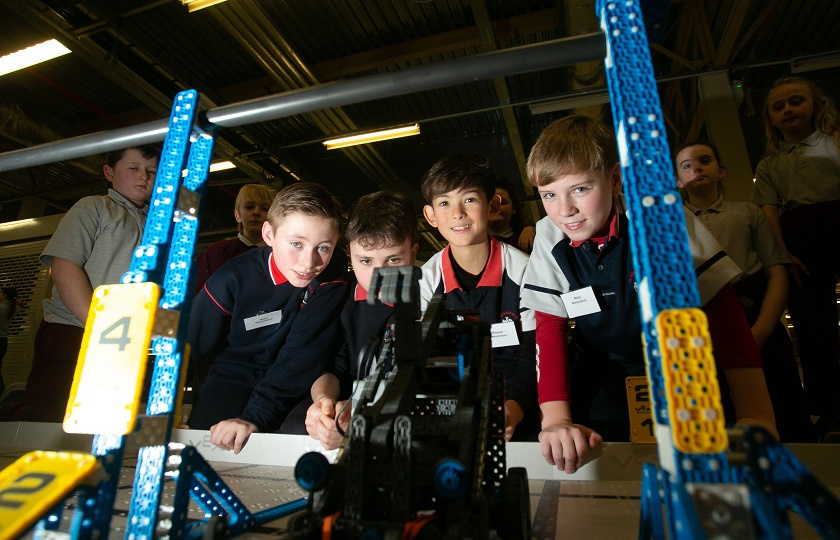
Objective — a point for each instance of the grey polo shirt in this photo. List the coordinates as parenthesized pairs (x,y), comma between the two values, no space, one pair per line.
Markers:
(99,234)
(743,233)
(799,174)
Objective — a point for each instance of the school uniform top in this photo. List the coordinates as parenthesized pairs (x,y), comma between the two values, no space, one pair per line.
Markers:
(251,319)
(609,341)
(99,234)
(496,296)
(212,258)
(360,323)
(742,230)
(798,174)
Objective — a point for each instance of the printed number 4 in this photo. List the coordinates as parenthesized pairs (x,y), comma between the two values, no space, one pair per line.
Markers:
(114,336)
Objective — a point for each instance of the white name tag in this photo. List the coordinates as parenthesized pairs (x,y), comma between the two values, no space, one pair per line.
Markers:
(580,302)
(263,319)
(503,334)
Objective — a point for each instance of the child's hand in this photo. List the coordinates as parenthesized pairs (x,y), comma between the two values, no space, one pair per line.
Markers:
(526,238)
(567,445)
(513,415)
(320,422)
(232,434)
(797,270)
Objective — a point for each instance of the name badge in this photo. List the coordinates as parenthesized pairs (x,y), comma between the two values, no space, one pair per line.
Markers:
(580,302)
(263,319)
(503,334)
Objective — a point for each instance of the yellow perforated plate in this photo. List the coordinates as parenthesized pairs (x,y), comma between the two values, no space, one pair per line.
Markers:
(693,393)
(639,406)
(36,482)
(112,360)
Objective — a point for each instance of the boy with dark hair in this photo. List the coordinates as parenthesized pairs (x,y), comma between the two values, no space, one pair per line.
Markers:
(92,246)
(250,211)
(267,324)
(381,231)
(582,246)
(476,271)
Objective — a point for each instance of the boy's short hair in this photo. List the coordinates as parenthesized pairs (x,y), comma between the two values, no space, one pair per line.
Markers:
(304,198)
(458,172)
(381,219)
(148,151)
(571,145)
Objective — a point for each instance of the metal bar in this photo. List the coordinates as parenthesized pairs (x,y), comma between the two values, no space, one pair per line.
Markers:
(480,67)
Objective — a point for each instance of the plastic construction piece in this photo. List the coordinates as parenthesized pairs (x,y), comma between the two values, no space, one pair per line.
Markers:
(112,360)
(691,384)
(35,483)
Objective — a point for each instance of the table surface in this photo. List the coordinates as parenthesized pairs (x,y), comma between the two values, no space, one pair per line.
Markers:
(600,501)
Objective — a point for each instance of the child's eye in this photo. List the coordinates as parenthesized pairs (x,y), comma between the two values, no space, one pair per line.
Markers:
(324,249)
(580,189)
(152,172)
(296,244)
(395,260)
(364,262)
(548,195)
(443,203)
(471,199)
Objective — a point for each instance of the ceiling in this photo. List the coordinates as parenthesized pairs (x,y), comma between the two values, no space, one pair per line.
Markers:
(130,57)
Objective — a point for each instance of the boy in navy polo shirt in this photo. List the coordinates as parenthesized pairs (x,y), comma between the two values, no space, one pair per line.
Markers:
(381,231)
(266,324)
(583,245)
(476,271)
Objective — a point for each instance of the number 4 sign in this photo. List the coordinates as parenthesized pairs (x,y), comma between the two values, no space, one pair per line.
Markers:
(639,408)
(112,360)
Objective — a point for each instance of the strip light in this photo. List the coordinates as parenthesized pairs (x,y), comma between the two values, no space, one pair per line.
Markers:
(574,101)
(221,166)
(32,55)
(195,5)
(375,136)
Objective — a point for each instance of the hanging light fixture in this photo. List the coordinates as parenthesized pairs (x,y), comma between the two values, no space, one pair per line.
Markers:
(195,5)
(374,136)
(32,55)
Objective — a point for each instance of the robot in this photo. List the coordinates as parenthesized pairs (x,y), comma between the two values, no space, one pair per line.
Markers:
(425,450)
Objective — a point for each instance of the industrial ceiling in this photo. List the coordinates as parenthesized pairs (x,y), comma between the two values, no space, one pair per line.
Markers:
(130,57)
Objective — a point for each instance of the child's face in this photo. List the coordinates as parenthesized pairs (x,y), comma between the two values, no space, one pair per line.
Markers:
(791,110)
(301,245)
(365,260)
(461,216)
(133,176)
(252,214)
(579,204)
(697,168)
(506,209)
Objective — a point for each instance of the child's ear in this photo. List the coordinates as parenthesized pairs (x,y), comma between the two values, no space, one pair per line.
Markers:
(108,172)
(495,205)
(268,233)
(615,179)
(413,254)
(429,214)
(679,182)
(237,216)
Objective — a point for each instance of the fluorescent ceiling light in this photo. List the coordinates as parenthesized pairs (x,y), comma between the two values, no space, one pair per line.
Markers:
(221,166)
(573,101)
(375,136)
(31,56)
(195,5)
(813,63)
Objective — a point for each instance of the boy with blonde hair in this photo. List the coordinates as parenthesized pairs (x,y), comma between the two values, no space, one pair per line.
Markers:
(582,246)
(250,211)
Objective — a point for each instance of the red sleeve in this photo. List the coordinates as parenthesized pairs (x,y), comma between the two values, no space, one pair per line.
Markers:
(552,358)
(732,339)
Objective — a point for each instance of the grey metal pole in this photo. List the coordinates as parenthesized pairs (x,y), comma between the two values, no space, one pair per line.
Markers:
(480,67)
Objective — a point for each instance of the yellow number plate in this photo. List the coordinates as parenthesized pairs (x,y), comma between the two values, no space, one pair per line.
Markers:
(112,360)
(36,482)
(639,405)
